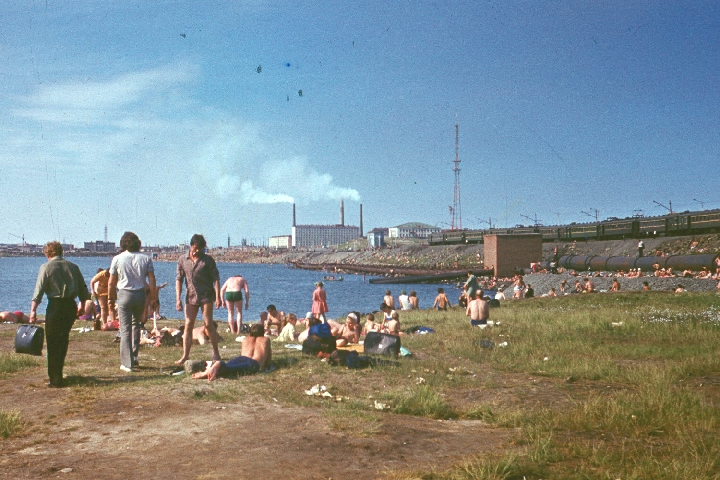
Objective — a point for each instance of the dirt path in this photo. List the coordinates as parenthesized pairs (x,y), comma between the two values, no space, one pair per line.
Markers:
(101,427)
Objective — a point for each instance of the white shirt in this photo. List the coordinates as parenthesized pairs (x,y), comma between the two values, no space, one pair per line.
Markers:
(404,302)
(131,269)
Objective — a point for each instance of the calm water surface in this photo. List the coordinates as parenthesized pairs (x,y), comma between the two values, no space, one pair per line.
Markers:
(288,288)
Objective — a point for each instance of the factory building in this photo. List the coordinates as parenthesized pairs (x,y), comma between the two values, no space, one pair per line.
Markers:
(308,236)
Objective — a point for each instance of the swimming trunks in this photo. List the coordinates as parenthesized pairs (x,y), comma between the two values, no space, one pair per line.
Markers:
(475,323)
(239,366)
(233,296)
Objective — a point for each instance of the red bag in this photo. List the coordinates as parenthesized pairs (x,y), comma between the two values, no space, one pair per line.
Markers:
(111,326)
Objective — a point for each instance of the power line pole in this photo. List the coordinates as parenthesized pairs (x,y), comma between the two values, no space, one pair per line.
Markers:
(456,209)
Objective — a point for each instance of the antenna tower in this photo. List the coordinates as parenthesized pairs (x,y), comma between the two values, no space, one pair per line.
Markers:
(456,210)
(106,235)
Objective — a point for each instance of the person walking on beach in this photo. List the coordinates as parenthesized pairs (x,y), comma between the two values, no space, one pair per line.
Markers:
(128,272)
(471,287)
(232,298)
(319,304)
(199,271)
(99,288)
(62,282)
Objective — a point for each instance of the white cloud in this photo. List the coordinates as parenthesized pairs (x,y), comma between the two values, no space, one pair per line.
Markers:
(92,102)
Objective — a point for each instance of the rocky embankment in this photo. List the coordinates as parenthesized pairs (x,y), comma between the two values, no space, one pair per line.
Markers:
(416,256)
(543,282)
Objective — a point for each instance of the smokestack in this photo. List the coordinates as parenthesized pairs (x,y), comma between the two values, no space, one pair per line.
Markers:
(293,216)
(342,213)
(361,225)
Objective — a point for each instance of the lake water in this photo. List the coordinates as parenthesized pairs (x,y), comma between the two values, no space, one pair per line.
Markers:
(288,288)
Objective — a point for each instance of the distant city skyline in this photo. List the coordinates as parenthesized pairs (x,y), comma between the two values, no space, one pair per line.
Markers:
(176,117)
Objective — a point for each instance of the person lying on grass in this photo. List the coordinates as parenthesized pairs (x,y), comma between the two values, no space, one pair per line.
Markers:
(347,333)
(255,355)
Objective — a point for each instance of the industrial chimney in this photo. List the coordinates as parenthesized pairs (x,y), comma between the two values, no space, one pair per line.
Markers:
(293,215)
(361,225)
(342,213)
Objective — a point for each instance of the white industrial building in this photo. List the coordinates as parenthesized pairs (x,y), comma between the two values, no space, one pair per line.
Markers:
(308,236)
(280,242)
(412,230)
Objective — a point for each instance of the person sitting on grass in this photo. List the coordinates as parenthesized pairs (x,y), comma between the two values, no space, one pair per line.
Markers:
(392,326)
(310,321)
(347,333)
(414,302)
(552,293)
(615,286)
(387,312)
(370,325)
(288,334)
(589,286)
(478,310)
(646,286)
(255,355)
(274,318)
(679,289)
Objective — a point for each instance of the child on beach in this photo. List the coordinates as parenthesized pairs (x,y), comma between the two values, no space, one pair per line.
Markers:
(441,301)
(370,325)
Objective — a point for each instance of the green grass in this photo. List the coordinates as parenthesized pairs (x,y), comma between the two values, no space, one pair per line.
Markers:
(10,423)
(13,362)
(595,386)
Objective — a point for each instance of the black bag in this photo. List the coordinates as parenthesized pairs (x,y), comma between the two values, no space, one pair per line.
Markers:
(377,343)
(355,361)
(29,339)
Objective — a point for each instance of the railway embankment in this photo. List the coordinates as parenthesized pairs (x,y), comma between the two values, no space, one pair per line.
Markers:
(417,256)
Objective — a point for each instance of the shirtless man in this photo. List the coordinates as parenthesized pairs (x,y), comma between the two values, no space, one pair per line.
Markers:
(589,286)
(255,355)
(14,317)
(389,300)
(441,301)
(478,310)
(274,318)
(347,333)
(615,286)
(232,297)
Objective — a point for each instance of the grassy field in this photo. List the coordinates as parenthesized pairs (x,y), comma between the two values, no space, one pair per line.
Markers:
(591,386)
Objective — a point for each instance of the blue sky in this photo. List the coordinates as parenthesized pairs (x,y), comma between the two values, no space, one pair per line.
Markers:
(171,118)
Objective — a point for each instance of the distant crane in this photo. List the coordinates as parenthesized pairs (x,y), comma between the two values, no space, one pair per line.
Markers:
(20,237)
(456,211)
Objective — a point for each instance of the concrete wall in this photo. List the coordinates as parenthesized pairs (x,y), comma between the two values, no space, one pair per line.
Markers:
(505,253)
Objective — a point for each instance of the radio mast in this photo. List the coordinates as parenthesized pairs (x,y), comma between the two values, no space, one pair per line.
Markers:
(456,210)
